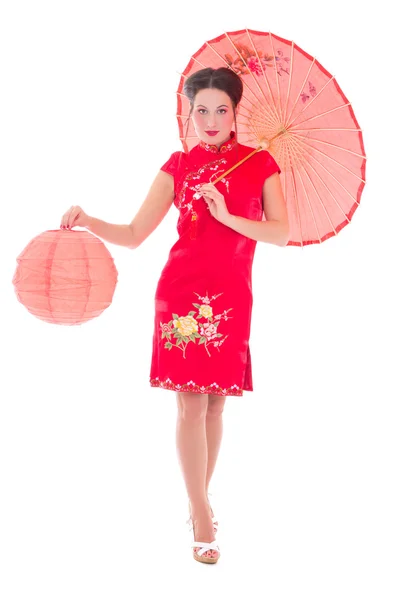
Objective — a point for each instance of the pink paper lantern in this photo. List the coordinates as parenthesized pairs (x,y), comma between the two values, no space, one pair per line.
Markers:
(66,277)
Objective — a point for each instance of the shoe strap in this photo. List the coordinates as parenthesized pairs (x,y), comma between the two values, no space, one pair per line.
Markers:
(204,546)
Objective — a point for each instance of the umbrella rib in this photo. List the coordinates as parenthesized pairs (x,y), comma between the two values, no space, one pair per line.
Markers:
(327,129)
(301,144)
(260,120)
(268,117)
(278,87)
(227,64)
(322,114)
(294,146)
(304,145)
(331,174)
(263,72)
(327,189)
(289,151)
(329,192)
(311,101)
(300,89)
(309,205)
(266,107)
(330,144)
(297,205)
(285,184)
(248,140)
(290,82)
(250,71)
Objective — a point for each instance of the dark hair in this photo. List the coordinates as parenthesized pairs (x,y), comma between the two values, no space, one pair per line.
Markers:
(223,79)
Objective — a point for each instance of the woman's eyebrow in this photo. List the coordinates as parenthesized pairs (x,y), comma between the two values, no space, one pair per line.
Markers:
(221,106)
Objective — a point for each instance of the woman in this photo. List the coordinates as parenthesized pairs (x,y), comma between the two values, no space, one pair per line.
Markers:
(203,300)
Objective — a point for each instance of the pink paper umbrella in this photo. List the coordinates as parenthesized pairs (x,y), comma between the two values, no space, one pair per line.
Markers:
(294,108)
(65,277)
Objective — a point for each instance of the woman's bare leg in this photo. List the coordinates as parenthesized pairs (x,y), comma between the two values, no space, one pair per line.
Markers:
(191,442)
(214,430)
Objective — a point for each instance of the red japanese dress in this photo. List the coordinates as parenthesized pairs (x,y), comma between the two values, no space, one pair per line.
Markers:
(203,300)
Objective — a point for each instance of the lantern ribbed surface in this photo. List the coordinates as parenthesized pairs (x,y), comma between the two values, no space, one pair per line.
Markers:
(65,277)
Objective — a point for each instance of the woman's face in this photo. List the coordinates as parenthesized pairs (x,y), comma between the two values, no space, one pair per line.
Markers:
(213,116)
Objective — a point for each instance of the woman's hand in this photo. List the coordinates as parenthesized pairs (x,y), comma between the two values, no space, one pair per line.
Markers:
(215,202)
(74,217)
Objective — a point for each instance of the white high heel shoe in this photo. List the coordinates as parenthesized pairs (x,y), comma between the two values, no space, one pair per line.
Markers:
(201,548)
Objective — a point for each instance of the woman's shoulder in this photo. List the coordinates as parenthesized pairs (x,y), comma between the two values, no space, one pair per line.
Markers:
(174,163)
(176,154)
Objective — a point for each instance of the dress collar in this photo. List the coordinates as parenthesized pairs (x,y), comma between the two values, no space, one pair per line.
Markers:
(227,147)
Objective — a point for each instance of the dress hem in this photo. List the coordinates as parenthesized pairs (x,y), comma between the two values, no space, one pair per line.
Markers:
(214,388)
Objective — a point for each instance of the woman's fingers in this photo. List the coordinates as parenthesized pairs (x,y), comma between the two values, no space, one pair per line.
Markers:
(69,217)
(73,216)
(209,194)
(64,219)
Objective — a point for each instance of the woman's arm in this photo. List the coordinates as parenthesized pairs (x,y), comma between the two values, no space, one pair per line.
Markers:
(154,208)
(275,230)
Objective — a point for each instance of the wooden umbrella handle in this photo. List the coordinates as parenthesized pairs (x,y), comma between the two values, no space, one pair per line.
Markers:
(237,165)
(264,145)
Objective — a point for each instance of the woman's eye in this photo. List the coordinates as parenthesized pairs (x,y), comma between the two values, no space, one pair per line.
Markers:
(221,111)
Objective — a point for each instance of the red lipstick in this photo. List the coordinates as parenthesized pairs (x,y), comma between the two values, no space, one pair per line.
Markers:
(212,132)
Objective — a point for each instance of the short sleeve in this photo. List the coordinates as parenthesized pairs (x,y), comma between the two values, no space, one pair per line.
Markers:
(271,166)
(171,166)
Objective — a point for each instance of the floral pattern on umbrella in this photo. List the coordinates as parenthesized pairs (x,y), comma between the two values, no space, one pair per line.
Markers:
(294,108)
(248,61)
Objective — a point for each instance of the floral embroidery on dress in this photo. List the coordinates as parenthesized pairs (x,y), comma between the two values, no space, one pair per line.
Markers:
(227,147)
(183,203)
(190,328)
(195,176)
(191,386)
(212,148)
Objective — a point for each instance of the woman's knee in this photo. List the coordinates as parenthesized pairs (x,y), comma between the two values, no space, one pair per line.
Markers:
(215,405)
(192,406)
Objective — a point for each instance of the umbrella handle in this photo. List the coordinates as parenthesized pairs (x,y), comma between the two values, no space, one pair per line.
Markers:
(237,165)
(264,144)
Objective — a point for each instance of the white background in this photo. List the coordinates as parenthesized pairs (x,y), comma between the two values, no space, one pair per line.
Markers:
(93,503)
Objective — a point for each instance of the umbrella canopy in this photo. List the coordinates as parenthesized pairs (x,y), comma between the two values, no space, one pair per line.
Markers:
(293,106)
